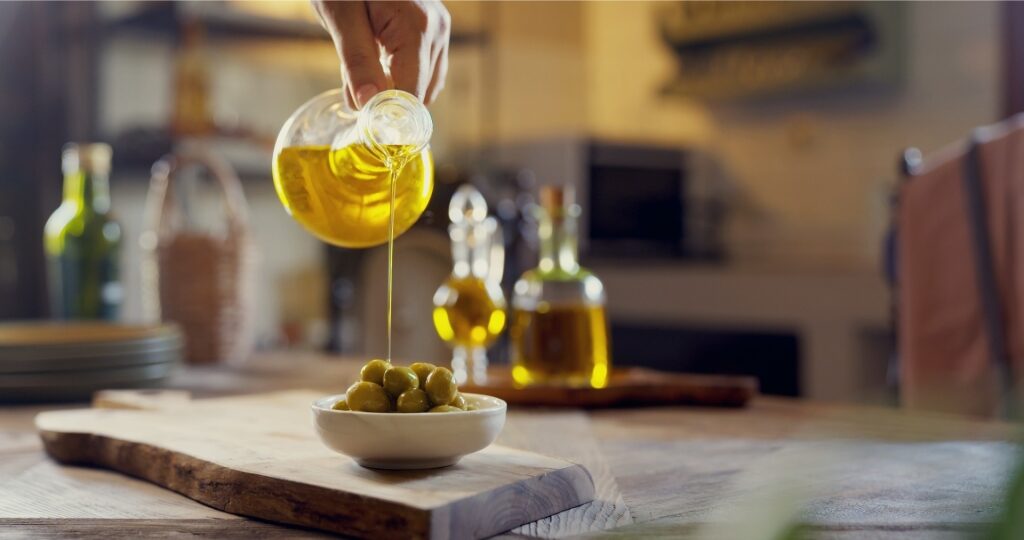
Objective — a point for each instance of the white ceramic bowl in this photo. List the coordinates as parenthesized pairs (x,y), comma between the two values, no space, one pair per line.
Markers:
(409,440)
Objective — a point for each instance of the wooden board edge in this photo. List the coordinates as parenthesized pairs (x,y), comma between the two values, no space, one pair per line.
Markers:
(277,500)
(239,492)
(634,387)
(541,496)
(221,529)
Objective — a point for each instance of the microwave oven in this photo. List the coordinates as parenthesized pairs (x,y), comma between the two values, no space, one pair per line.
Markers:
(637,200)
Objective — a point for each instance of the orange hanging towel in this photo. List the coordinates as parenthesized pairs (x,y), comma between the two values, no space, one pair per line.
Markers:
(960,271)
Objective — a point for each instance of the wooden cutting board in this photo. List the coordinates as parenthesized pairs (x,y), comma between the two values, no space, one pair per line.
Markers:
(627,387)
(258,456)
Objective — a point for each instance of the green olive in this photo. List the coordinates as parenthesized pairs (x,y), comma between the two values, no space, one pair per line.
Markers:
(445,408)
(399,379)
(440,387)
(413,401)
(459,402)
(341,405)
(367,397)
(422,370)
(373,371)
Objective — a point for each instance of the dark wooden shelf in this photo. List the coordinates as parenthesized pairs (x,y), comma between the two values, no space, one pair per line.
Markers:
(166,19)
(220,22)
(136,150)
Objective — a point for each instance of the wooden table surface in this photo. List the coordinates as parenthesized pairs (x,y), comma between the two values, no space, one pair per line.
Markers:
(848,472)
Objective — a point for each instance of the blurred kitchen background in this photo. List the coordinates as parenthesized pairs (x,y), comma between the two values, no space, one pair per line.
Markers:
(734,161)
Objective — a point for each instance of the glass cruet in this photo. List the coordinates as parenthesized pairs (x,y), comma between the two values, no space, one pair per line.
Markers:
(559,331)
(469,307)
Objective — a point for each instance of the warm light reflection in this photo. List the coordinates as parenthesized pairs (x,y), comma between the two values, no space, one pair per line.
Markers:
(599,375)
(599,378)
(520,376)
(497,322)
(443,325)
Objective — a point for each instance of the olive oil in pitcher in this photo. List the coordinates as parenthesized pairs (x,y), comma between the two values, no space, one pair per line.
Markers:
(343,196)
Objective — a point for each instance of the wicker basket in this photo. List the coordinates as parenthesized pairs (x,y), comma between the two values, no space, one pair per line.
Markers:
(202,281)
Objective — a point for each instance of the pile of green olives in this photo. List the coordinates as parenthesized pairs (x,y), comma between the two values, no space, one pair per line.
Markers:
(420,387)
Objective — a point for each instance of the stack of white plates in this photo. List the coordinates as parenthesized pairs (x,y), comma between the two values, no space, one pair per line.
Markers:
(69,361)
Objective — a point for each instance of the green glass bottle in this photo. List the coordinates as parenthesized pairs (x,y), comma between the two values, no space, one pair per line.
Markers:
(82,240)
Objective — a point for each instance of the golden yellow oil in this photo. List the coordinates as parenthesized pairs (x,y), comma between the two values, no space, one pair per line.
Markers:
(560,345)
(351,198)
(469,312)
(343,196)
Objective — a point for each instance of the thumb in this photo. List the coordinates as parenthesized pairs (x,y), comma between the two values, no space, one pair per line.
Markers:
(349,25)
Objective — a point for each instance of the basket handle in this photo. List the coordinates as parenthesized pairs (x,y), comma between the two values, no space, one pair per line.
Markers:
(160,198)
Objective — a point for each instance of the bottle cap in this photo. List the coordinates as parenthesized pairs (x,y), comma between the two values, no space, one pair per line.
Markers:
(557,199)
(91,157)
(467,207)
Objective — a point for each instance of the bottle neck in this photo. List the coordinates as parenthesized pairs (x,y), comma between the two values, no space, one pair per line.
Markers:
(460,252)
(470,250)
(88,190)
(559,247)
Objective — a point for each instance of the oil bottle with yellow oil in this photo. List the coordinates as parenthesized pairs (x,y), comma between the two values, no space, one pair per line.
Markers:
(559,332)
(469,307)
(356,179)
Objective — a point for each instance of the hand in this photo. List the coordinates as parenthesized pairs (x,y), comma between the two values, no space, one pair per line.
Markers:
(409,39)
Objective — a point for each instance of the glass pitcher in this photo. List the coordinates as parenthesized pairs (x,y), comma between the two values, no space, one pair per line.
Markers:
(331,166)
